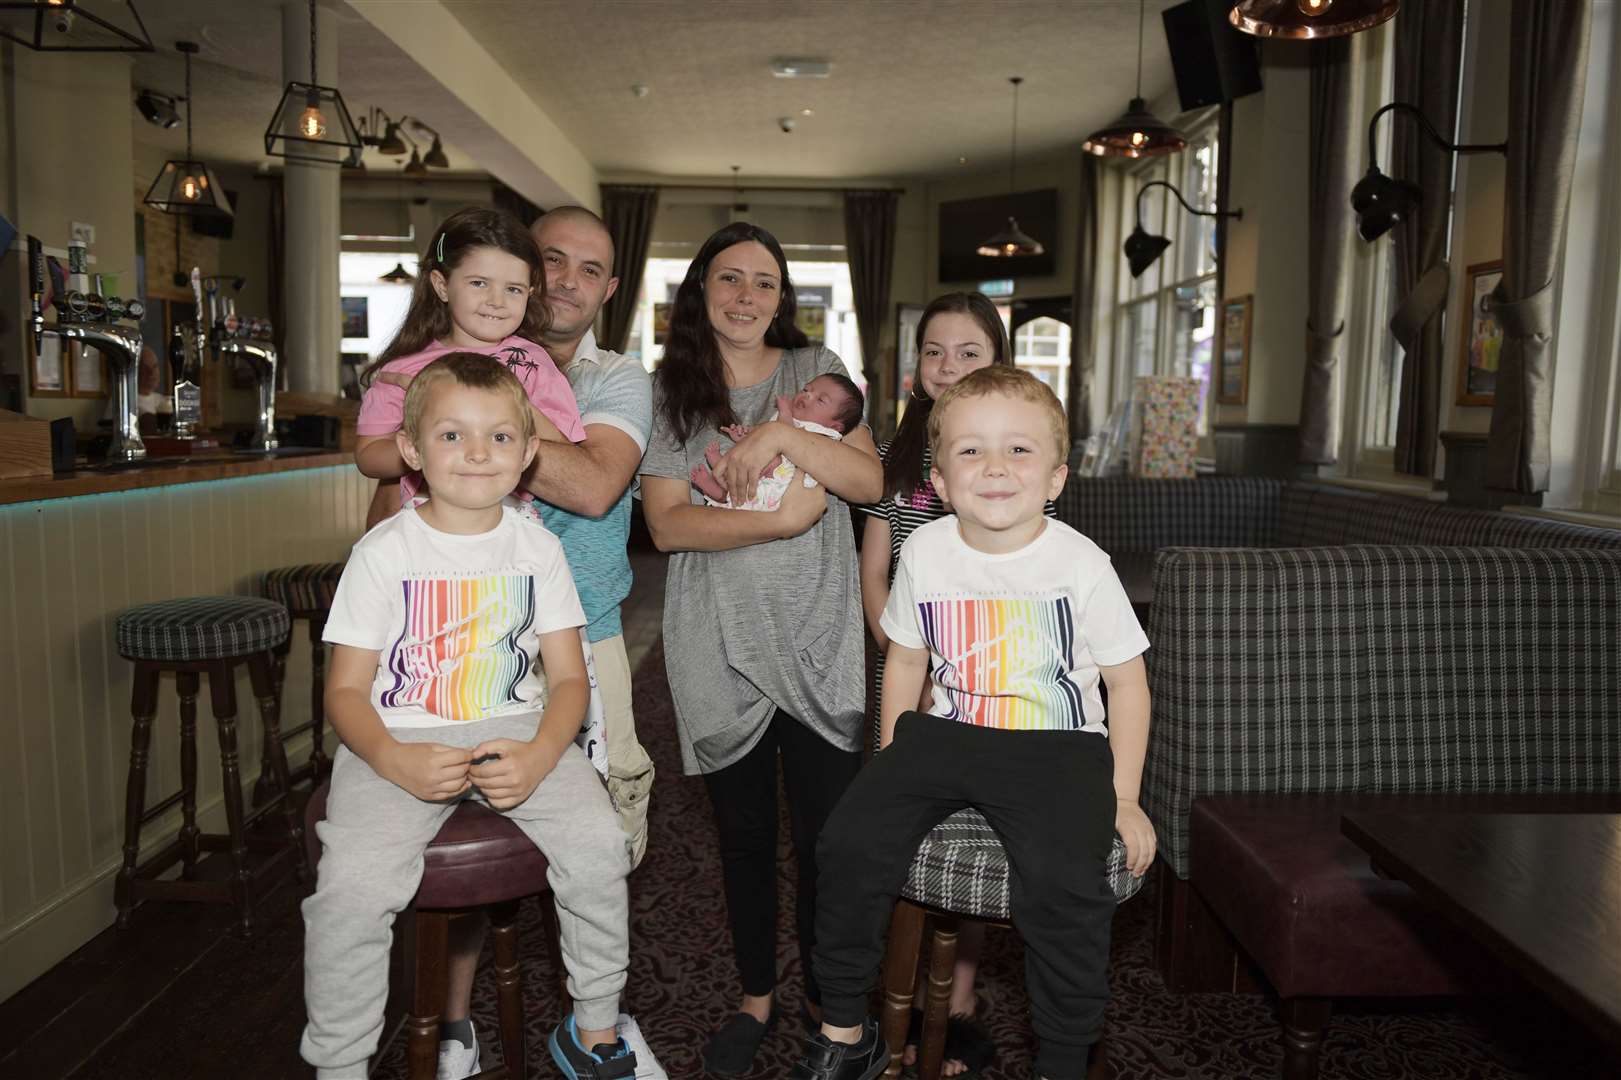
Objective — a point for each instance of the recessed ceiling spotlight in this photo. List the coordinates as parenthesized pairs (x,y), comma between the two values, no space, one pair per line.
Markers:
(786,123)
(638,90)
(800,67)
(807,112)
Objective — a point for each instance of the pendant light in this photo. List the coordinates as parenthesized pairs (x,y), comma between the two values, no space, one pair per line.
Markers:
(399,275)
(311,122)
(1012,242)
(1309,18)
(1137,133)
(71,26)
(186,185)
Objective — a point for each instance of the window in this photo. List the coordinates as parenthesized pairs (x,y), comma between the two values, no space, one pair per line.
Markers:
(1165,320)
(1041,347)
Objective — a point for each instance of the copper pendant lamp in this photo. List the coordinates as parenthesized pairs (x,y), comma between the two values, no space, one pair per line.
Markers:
(1309,18)
(1137,133)
(1012,241)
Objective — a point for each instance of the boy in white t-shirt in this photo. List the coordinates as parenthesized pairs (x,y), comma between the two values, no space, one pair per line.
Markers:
(437,624)
(1016,618)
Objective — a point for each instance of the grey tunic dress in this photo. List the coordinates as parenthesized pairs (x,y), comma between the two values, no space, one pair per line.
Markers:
(763,627)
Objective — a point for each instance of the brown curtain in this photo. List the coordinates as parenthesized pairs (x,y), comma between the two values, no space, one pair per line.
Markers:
(869,241)
(1334,153)
(628,210)
(1429,50)
(1547,77)
(1083,306)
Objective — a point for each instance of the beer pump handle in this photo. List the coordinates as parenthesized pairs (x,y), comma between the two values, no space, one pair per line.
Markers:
(36,290)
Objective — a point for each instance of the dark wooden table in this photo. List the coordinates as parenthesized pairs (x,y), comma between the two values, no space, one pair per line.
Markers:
(1541,890)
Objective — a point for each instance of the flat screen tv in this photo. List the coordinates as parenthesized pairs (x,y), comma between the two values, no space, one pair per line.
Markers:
(967,223)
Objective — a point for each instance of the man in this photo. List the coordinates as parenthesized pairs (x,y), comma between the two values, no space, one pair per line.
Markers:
(584,490)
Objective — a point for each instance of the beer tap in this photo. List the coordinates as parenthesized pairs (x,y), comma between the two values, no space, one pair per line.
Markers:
(92,319)
(248,340)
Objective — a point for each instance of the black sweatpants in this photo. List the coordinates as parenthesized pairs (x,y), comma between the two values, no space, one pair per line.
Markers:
(1050,797)
(744,795)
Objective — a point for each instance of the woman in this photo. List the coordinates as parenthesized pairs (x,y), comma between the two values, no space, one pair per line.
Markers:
(762,612)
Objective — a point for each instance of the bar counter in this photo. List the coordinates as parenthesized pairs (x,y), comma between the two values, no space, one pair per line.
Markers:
(75,550)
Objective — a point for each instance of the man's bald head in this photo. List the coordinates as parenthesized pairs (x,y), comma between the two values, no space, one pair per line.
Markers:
(574,215)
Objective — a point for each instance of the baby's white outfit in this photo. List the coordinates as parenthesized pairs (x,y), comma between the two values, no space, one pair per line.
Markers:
(768,496)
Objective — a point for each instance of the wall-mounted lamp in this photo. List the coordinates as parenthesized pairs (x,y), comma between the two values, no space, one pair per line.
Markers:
(1309,18)
(435,157)
(1382,202)
(158,109)
(1141,248)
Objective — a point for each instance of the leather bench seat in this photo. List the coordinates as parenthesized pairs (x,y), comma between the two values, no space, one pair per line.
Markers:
(1313,912)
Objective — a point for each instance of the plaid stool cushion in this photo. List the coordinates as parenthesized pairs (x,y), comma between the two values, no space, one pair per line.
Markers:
(201,628)
(961,867)
(303,588)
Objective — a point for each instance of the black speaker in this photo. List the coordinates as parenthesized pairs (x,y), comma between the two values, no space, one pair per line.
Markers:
(1213,62)
(214,223)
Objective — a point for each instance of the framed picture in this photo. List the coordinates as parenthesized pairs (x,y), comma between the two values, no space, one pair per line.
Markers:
(355,324)
(47,377)
(88,370)
(661,321)
(1233,365)
(906,320)
(1482,339)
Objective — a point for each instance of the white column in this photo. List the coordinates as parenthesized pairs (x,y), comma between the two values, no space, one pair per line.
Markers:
(313,334)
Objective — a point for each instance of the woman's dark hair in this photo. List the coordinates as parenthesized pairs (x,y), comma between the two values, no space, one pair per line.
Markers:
(692,375)
(903,465)
(468,229)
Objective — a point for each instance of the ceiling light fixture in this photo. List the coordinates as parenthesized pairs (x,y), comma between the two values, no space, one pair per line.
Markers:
(186,185)
(158,109)
(1012,242)
(71,26)
(1141,248)
(1309,18)
(1137,133)
(435,156)
(1382,202)
(399,276)
(311,122)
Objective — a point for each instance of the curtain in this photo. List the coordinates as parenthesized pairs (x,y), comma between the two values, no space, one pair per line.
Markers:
(1333,154)
(504,198)
(1547,76)
(1429,50)
(1083,306)
(869,241)
(628,210)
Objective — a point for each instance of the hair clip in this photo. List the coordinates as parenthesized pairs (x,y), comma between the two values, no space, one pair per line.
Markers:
(439,255)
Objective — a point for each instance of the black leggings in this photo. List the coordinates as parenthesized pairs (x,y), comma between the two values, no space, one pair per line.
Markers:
(744,795)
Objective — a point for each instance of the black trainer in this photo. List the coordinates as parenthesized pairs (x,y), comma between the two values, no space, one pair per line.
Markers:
(825,1059)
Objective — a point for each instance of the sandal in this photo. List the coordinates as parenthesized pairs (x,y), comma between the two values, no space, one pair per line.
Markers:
(967,1041)
(730,1051)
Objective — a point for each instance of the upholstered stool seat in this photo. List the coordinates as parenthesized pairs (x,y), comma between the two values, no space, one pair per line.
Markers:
(478,860)
(306,591)
(202,635)
(960,871)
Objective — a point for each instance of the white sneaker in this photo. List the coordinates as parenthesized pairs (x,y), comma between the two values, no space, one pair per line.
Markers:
(647,1066)
(457,1061)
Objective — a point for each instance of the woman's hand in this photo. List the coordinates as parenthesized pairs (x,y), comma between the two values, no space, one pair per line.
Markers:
(801,507)
(740,468)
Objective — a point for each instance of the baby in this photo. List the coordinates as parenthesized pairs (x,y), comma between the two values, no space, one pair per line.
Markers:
(830,405)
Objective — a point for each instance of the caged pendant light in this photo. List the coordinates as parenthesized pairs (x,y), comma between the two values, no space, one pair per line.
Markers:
(1136,133)
(1012,241)
(75,25)
(311,122)
(186,185)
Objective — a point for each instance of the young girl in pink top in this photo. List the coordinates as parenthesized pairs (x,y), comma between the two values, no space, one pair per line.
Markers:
(480,288)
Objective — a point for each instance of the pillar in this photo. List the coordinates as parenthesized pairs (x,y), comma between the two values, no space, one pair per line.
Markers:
(313,335)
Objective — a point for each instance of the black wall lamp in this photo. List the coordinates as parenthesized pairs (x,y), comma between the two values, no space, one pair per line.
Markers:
(1382,202)
(1141,248)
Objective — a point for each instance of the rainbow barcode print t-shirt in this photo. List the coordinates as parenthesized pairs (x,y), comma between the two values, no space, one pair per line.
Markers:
(456,620)
(1015,640)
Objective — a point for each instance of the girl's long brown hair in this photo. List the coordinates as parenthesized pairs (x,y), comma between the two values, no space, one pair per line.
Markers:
(692,375)
(903,465)
(428,319)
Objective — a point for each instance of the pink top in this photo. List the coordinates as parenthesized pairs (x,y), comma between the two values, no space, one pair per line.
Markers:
(382,410)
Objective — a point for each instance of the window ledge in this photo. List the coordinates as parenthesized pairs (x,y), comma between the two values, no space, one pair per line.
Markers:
(1573,517)
(1414,488)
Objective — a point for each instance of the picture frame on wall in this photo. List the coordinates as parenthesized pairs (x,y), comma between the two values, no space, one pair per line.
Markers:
(907,317)
(88,372)
(1482,340)
(356,323)
(47,375)
(1233,361)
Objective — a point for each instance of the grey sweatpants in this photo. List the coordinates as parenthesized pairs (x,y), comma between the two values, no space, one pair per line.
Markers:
(373,841)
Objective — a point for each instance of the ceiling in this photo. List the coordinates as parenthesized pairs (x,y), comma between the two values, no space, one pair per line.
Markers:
(918,87)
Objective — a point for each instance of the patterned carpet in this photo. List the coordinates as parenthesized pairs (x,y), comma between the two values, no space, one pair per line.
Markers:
(683,983)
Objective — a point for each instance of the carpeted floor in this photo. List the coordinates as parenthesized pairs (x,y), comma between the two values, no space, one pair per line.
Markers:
(683,982)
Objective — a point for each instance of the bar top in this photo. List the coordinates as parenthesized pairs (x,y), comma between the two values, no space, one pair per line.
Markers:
(166,472)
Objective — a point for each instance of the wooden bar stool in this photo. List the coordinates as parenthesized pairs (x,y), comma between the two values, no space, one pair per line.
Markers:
(960,872)
(306,591)
(479,861)
(202,635)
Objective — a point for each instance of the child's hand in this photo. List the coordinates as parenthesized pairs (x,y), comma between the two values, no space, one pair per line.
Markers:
(736,432)
(1138,833)
(785,408)
(395,378)
(430,771)
(513,777)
